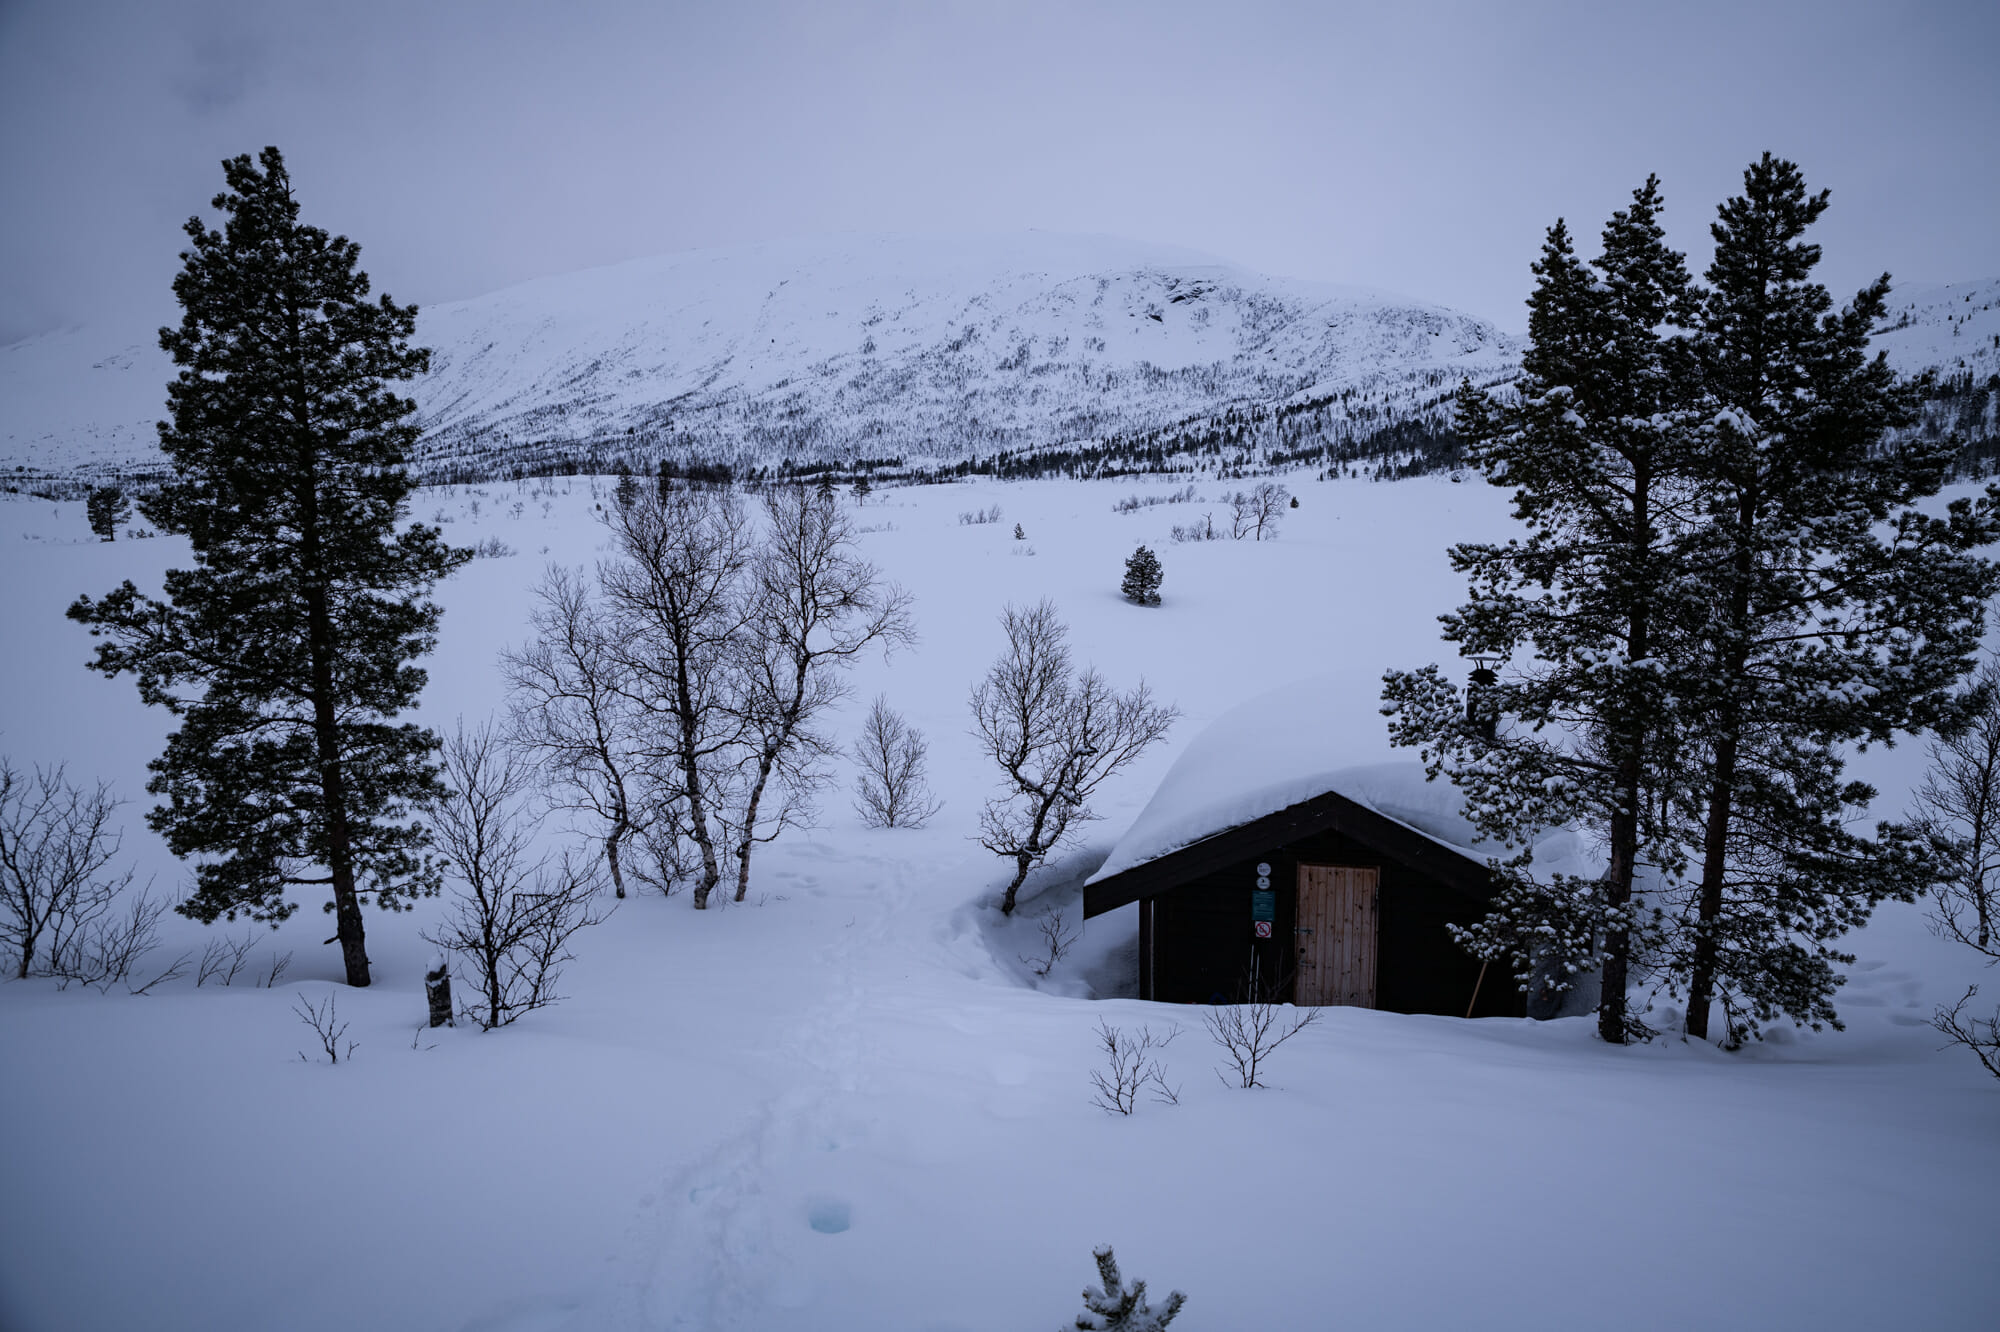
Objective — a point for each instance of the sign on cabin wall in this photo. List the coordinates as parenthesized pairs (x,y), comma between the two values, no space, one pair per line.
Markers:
(1263,904)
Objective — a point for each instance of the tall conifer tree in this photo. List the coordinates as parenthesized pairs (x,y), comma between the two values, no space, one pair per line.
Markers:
(1593,446)
(291,645)
(1725,583)
(1838,613)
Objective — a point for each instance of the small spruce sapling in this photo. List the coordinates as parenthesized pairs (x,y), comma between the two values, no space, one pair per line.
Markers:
(1113,1307)
(1143,576)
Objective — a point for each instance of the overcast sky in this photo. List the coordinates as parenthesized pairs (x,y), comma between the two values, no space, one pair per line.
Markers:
(1419,148)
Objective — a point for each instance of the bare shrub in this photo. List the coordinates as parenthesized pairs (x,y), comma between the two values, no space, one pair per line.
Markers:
(1202,529)
(1057,936)
(1249,1032)
(110,949)
(327,1026)
(1056,735)
(279,963)
(1255,513)
(224,959)
(511,918)
(1958,806)
(1131,1065)
(1977,1034)
(1134,503)
(893,790)
(979,517)
(56,849)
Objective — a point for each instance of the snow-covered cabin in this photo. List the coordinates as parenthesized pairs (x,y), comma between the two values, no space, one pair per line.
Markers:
(1269,860)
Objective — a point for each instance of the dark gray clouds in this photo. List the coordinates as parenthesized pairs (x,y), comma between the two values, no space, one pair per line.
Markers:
(1420,148)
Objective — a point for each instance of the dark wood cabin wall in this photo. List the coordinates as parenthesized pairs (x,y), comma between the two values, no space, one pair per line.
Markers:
(1202,946)
(1146,948)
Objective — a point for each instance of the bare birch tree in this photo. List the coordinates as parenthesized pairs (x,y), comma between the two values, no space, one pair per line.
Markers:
(1056,734)
(1255,513)
(814,606)
(56,849)
(1959,806)
(892,790)
(572,708)
(676,607)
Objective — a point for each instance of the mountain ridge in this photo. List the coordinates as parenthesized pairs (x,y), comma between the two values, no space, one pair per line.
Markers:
(935,353)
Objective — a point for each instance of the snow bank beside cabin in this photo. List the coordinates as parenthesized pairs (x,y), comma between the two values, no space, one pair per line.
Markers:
(1293,744)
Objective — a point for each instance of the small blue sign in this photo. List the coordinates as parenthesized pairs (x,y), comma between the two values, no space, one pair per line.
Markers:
(1263,905)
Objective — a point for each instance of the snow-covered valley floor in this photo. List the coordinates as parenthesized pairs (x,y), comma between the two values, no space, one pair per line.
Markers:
(845,1104)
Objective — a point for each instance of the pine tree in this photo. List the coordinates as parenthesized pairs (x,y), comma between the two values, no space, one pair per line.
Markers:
(1838,612)
(1143,576)
(627,489)
(107,507)
(1116,1307)
(1725,583)
(1591,444)
(289,648)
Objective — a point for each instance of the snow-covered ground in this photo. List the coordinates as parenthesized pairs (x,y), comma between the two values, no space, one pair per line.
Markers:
(845,1104)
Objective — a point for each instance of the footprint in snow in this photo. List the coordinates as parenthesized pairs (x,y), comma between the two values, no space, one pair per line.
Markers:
(829,1216)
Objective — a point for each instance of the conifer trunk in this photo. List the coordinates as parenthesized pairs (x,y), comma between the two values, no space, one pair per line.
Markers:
(1708,905)
(1611,1006)
(333,788)
(348,927)
(1618,896)
(1721,803)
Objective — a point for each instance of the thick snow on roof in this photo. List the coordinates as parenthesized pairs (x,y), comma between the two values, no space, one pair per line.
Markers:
(1296,743)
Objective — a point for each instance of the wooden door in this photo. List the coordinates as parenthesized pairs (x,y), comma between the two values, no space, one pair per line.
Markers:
(1336,935)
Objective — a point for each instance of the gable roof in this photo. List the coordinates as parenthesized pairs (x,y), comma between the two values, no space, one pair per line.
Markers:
(1330,811)
(1285,765)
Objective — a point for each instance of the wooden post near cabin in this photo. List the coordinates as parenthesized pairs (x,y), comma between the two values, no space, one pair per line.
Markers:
(437,989)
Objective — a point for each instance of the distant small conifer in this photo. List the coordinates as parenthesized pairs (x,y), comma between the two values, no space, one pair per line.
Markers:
(107,507)
(1143,576)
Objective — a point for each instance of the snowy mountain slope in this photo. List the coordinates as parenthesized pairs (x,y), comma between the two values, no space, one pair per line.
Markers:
(863,347)
(1950,327)
(877,347)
